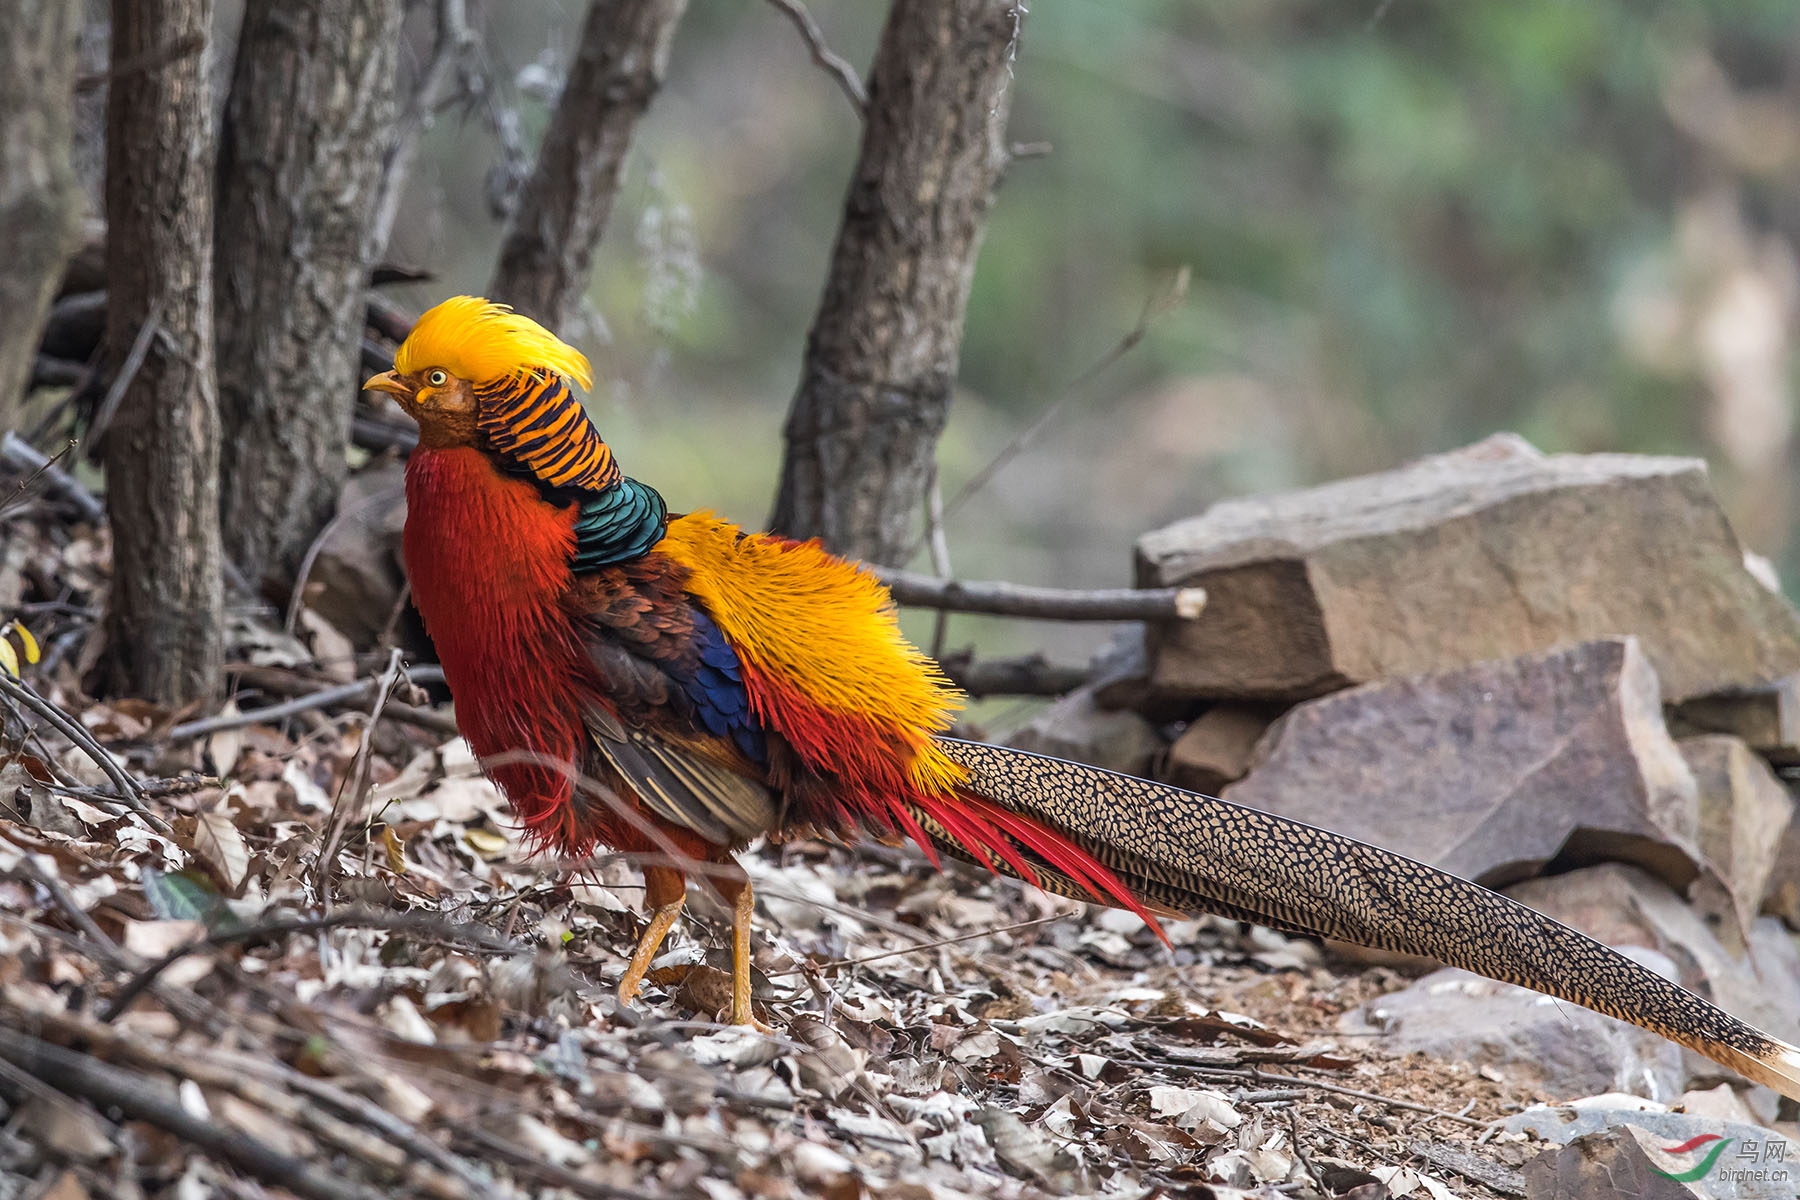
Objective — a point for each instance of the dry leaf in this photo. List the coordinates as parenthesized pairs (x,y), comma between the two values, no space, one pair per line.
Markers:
(224,746)
(220,848)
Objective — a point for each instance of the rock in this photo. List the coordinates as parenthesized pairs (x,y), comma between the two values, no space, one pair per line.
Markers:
(1562,1050)
(1766,717)
(1492,771)
(1077,729)
(1627,1154)
(1623,906)
(1217,746)
(1783,896)
(355,582)
(1744,814)
(1485,553)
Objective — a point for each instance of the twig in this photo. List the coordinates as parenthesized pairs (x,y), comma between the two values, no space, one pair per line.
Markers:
(1339,1089)
(78,917)
(847,79)
(393,922)
(297,597)
(150,60)
(343,695)
(353,793)
(20,455)
(21,692)
(1159,305)
(1025,675)
(134,359)
(940,556)
(453,41)
(560,1176)
(950,941)
(143,1099)
(1048,604)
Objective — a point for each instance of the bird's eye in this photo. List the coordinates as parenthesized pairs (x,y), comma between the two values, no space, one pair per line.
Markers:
(437,378)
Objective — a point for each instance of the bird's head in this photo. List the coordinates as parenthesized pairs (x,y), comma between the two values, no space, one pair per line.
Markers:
(475,373)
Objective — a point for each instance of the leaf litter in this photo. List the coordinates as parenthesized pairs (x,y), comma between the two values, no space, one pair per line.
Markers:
(177,1012)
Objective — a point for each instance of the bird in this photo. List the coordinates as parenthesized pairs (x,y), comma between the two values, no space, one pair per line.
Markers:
(672,687)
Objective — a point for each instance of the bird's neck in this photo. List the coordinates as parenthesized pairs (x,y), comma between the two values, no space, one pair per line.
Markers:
(485,552)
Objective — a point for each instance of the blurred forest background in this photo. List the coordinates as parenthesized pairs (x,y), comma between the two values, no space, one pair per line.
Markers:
(1408,224)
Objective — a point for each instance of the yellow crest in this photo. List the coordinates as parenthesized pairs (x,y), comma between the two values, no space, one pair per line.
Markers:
(480,341)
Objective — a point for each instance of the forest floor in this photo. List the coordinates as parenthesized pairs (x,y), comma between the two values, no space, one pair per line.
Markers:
(303,960)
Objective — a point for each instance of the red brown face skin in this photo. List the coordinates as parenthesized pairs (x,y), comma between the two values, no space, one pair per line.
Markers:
(444,405)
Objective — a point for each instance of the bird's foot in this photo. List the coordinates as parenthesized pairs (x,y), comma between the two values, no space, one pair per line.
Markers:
(647,946)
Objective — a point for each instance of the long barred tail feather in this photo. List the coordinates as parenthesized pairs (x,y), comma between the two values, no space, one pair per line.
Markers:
(1188,853)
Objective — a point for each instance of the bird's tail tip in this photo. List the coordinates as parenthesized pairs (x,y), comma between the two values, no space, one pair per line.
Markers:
(1774,1065)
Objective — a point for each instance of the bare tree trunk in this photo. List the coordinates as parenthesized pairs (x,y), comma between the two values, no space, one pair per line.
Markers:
(311,110)
(881,359)
(162,446)
(40,198)
(549,246)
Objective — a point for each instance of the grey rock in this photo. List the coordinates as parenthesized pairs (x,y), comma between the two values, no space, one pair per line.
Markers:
(1484,553)
(1076,728)
(1493,770)
(1623,906)
(1562,1050)
(1622,1154)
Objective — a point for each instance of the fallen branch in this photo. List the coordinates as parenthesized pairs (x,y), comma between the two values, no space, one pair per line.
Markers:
(20,692)
(822,54)
(1026,675)
(1042,603)
(142,1098)
(344,695)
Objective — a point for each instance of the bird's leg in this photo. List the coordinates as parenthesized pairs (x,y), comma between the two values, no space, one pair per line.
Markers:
(665,889)
(743,909)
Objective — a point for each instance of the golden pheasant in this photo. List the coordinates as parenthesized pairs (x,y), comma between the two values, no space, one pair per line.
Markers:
(674,687)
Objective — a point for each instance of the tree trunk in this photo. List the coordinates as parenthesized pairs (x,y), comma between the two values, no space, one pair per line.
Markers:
(882,355)
(162,447)
(311,110)
(40,198)
(545,259)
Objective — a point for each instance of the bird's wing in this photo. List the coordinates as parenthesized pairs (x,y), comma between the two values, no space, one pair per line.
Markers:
(673,719)
(1197,853)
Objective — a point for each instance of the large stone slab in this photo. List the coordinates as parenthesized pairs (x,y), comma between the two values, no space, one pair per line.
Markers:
(1493,770)
(1483,553)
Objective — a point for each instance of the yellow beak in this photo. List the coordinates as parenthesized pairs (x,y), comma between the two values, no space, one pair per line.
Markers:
(387,382)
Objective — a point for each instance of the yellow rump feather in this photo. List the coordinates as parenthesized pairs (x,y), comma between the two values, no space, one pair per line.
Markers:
(821,626)
(481,341)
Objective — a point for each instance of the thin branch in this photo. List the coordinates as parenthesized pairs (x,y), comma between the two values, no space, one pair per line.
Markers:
(134,360)
(1042,603)
(20,455)
(1157,306)
(141,1098)
(20,692)
(453,41)
(848,81)
(351,800)
(386,496)
(344,695)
